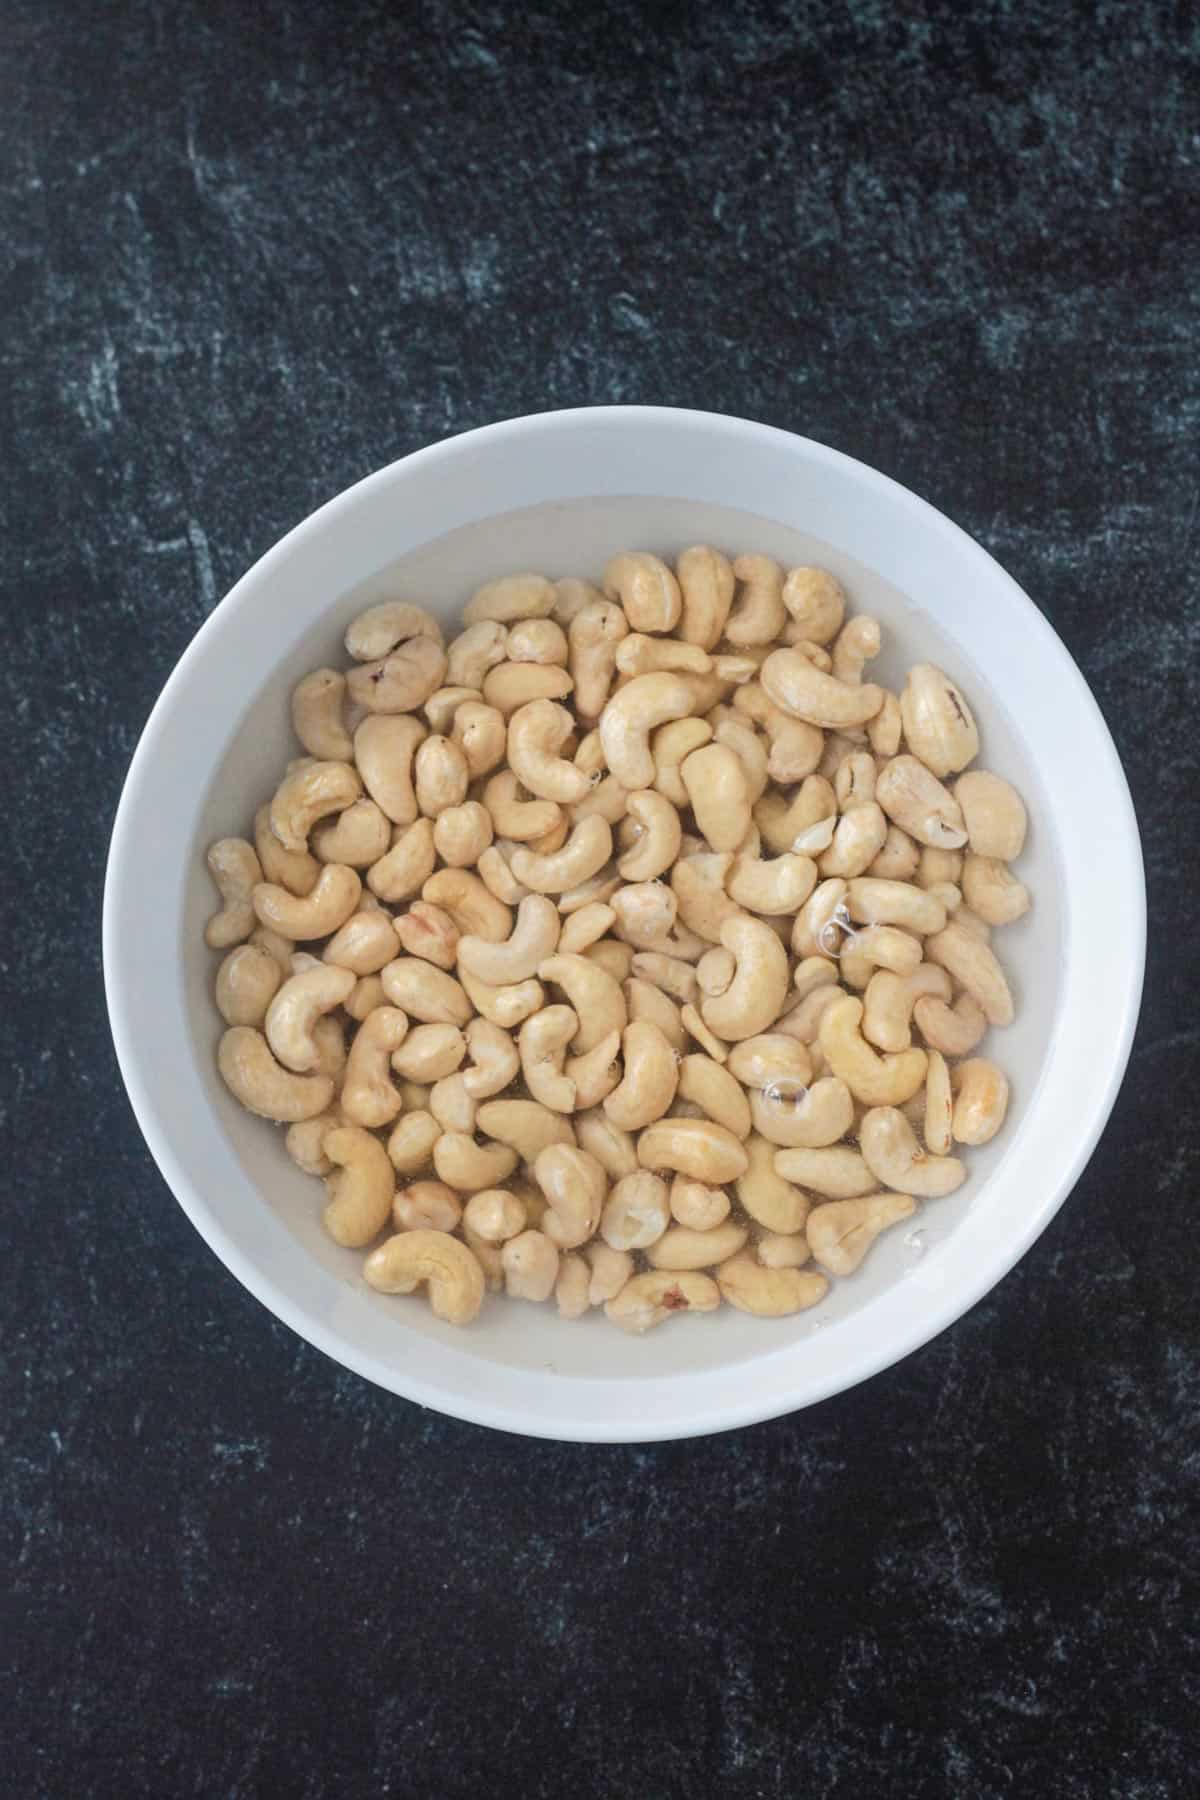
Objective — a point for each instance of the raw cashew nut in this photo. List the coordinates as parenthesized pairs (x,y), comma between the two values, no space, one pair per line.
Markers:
(440,776)
(698,883)
(972,963)
(235,868)
(360,1188)
(427,1206)
(937,1113)
(629,717)
(452,1274)
(375,633)
(504,1006)
(857,643)
(444,703)
(358,837)
(645,913)
(647,1300)
(981,1102)
(369,1097)
(495,1215)
(410,1146)
(595,635)
(795,746)
(994,815)
(878,947)
(992,891)
(782,1250)
(937,721)
(822,921)
(512,597)
(840,1234)
(584,928)
(638,655)
(295,870)
(816,602)
(758,614)
(754,998)
(706,585)
(430,1052)
(461,834)
(738,735)
(649,1083)
(314,915)
(648,593)
(771,1291)
(610,1270)
(428,932)
(425,992)
(366,995)
(407,865)
(613,1148)
(384,747)
(715,971)
(575,1186)
(246,984)
(309,793)
(468,1166)
(798,687)
(915,800)
(676,977)
(889,1001)
(264,1086)
(876,1080)
(857,840)
(573,596)
(532,941)
(530,1263)
(536,735)
(296,1008)
(718,1094)
(695,1147)
(592,994)
(583,855)
(511,684)
(537,641)
(880,902)
(804,824)
(657,844)
(481,734)
(952,1030)
(474,651)
(494,1059)
(524,1127)
(698,1207)
(669,745)
(891,1152)
(317,721)
(473,908)
(715,782)
(805,1118)
(365,942)
(401,681)
(899,858)
(776,887)
(769,1199)
(771,1058)
(683,1248)
(543,1044)
(636,1212)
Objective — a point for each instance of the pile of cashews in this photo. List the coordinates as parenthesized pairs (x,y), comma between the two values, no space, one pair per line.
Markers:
(631,948)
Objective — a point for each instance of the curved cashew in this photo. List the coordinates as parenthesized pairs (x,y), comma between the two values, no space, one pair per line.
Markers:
(295,870)
(841,1233)
(891,1152)
(369,1098)
(358,837)
(795,746)
(649,1083)
(823,920)
(698,1207)
(683,1248)
(766,1195)
(410,1146)
(778,886)
(537,641)
(937,721)
(647,1300)
(899,858)
(452,1274)
(575,1186)
(798,687)
(234,866)
(591,992)
(428,932)
(708,1085)
(607,797)
(758,614)
(512,684)
(981,1103)
(512,597)
(612,1147)
(706,584)
(523,1126)
(401,681)
(543,1044)
(247,981)
(881,902)
(573,596)
(805,1119)
(645,913)
(836,1172)
(317,721)
(407,865)
(584,928)
(503,1006)
(715,783)
(473,908)
(884,730)
(495,1215)
(468,1166)
(994,815)
(309,793)
(531,1264)
(536,735)
(670,973)
(669,745)
(442,705)
(494,1059)
(754,998)
(429,1052)
(694,1147)
(531,942)
(992,891)
(360,1187)
(629,717)
(769,1059)
(793,825)
(440,776)
(816,603)
(698,883)
(583,855)
(461,834)
(314,915)
(878,947)
(715,970)
(375,633)
(857,643)
(646,590)
(876,1080)
(595,635)
(364,943)
(648,1004)
(304,1139)
(952,1030)
(695,1027)
(782,1250)
(889,1001)
(473,652)
(656,845)
(296,1008)
(425,992)
(595,1074)
(264,1086)
(636,1213)
(735,733)
(769,1291)
(366,995)
(915,800)
(972,964)
(857,840)
(481,734)
(427,1206)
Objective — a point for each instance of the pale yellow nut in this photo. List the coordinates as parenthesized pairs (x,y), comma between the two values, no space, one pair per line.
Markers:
(738,734)
(646,1300)
(591,992)
(443,704)
(296,870)
(295,1009)
(510,685)
(695,1027)
(542,1045)
(841,1233)
(771,1058)
(246,984)
(884,730)
(651,1075)
(813,972)
(571,1287)
(754,998)
(376,632)
(594,640)
(698,883)
(994,815)
(981,1100)
(856,644)
(530,1263)
(889,1001)
(473,652)
(782,1250)
(953,1030)
(429,1052)
(585,928)
(614,1149)
(410,1144)
(262,1085)
(474,909)
(406,867)
(758,614)
(234,866)
(468,1166)
(532,940)
(802,1118)
(676,977)
(450,1272)
(836,1172)
(512,597)
(537,733)
(366,995)
(872,901)
(316,915)
(583,855)
(537,641)
(427,1206)
(720,1097)
(916,800)
(360,1187)
(506,1006)
(706,585)
(524,1127)
(358,837)
(804,824)
(646,590)
(778,885)
(607,798)
(877,1080)
(938,725)
(309,793)
(697,1205)
(891,1152)
(363,944)
(794,746)
(937,1108)
(992,891)
(639,655)
(489,1259)
(303,1142)
(682,1248)
(631,714)
(609,1271)
(494,1059)
(823,921)
(384,748)
(858,838)
(369,1097)
(793,683)
(899,858)
(451,1105)
(769,1292)
(401,681)
(715,782)
(428,932)
(495,1215)
(878,947)
(575,1187)
(815,600)
(440,776)
(669,744)
(481,733)
(971,962)
(696,1147)
(658,837)
(425,992)
(598,889)
(317,705)
(572,595)
(645,913)
(768,1198)
(648,1003)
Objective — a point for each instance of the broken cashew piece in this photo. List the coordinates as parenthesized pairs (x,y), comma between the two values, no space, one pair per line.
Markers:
(646,1300)
(840,1234)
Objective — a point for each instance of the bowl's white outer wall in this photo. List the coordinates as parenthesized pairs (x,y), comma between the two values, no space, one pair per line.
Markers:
(713,461)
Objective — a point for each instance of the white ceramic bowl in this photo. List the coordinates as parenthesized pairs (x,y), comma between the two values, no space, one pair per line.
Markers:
(561,492)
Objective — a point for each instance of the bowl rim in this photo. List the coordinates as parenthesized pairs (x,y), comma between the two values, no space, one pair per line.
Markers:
(944,1308)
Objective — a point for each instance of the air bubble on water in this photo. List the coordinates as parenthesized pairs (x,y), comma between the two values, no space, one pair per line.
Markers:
(914,1243)
(783,1092)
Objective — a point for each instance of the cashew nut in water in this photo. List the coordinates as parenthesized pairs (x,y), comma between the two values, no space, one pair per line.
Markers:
(804,824)
(427,1205)
(592,993)
(694,1147)
(981,1101)
(696,1205)
(440,776)
(899,858)
(295,1010)
(682,1248)
(972,963)
(659,833)
(309,793)
(754,998)
(878,902)
(706,582)
(716,1092)
(698,883)
(647,592)
(543,1044)
(480,647)
(317,703)
(610,1269)
(425,992)
(937,1106)
(264,1086)
(816,603)
(857,840)
(316,915)
(530,1263)
(769,1291)
(407,865)
(994,815)
(410,1145)
(645,913)
(358,837)
(511,684)
(364,943)
(599,888)
(891,1152)
(538,641)
(427,932)
(296,870)
(782,1250)
(443,704)
(365,996)
(877,1080)
(992,891)
(468,1166)
(915,800)
(572,1286)
(648,1299)
(462,833)
(575,1186)
(584,928)
(472,907)
(369,1096)
(481,734)
(669,745)
(450,1272)
(938,726)
(524,1126)
(651,1076)
(855,645)
(595,636)
(613,1148)
(757,1062)
(796,685)
(246,984)
(645,1002)
(235,868)
(836,1172)
(675,977)
(505,1006)
(803,1118)
(954,1030)
(585,852)
(889,1001)
(885,729)
(531,942)
(400,682)
(495,1215)
(878,947)
(494,1059)
(758,614)
(512,597)
(384,748)
(840,1234)
(360,1188)
(430,1052)
(376,632)
(629,717)
(614,958)
(694,1025)
(536,735)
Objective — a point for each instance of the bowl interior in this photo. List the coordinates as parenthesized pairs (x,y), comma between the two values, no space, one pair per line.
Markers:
(577,537)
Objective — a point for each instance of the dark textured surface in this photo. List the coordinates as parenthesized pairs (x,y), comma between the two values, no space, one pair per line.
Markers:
(247,255)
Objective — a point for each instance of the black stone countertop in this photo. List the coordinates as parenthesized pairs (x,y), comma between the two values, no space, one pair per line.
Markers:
(249,253)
